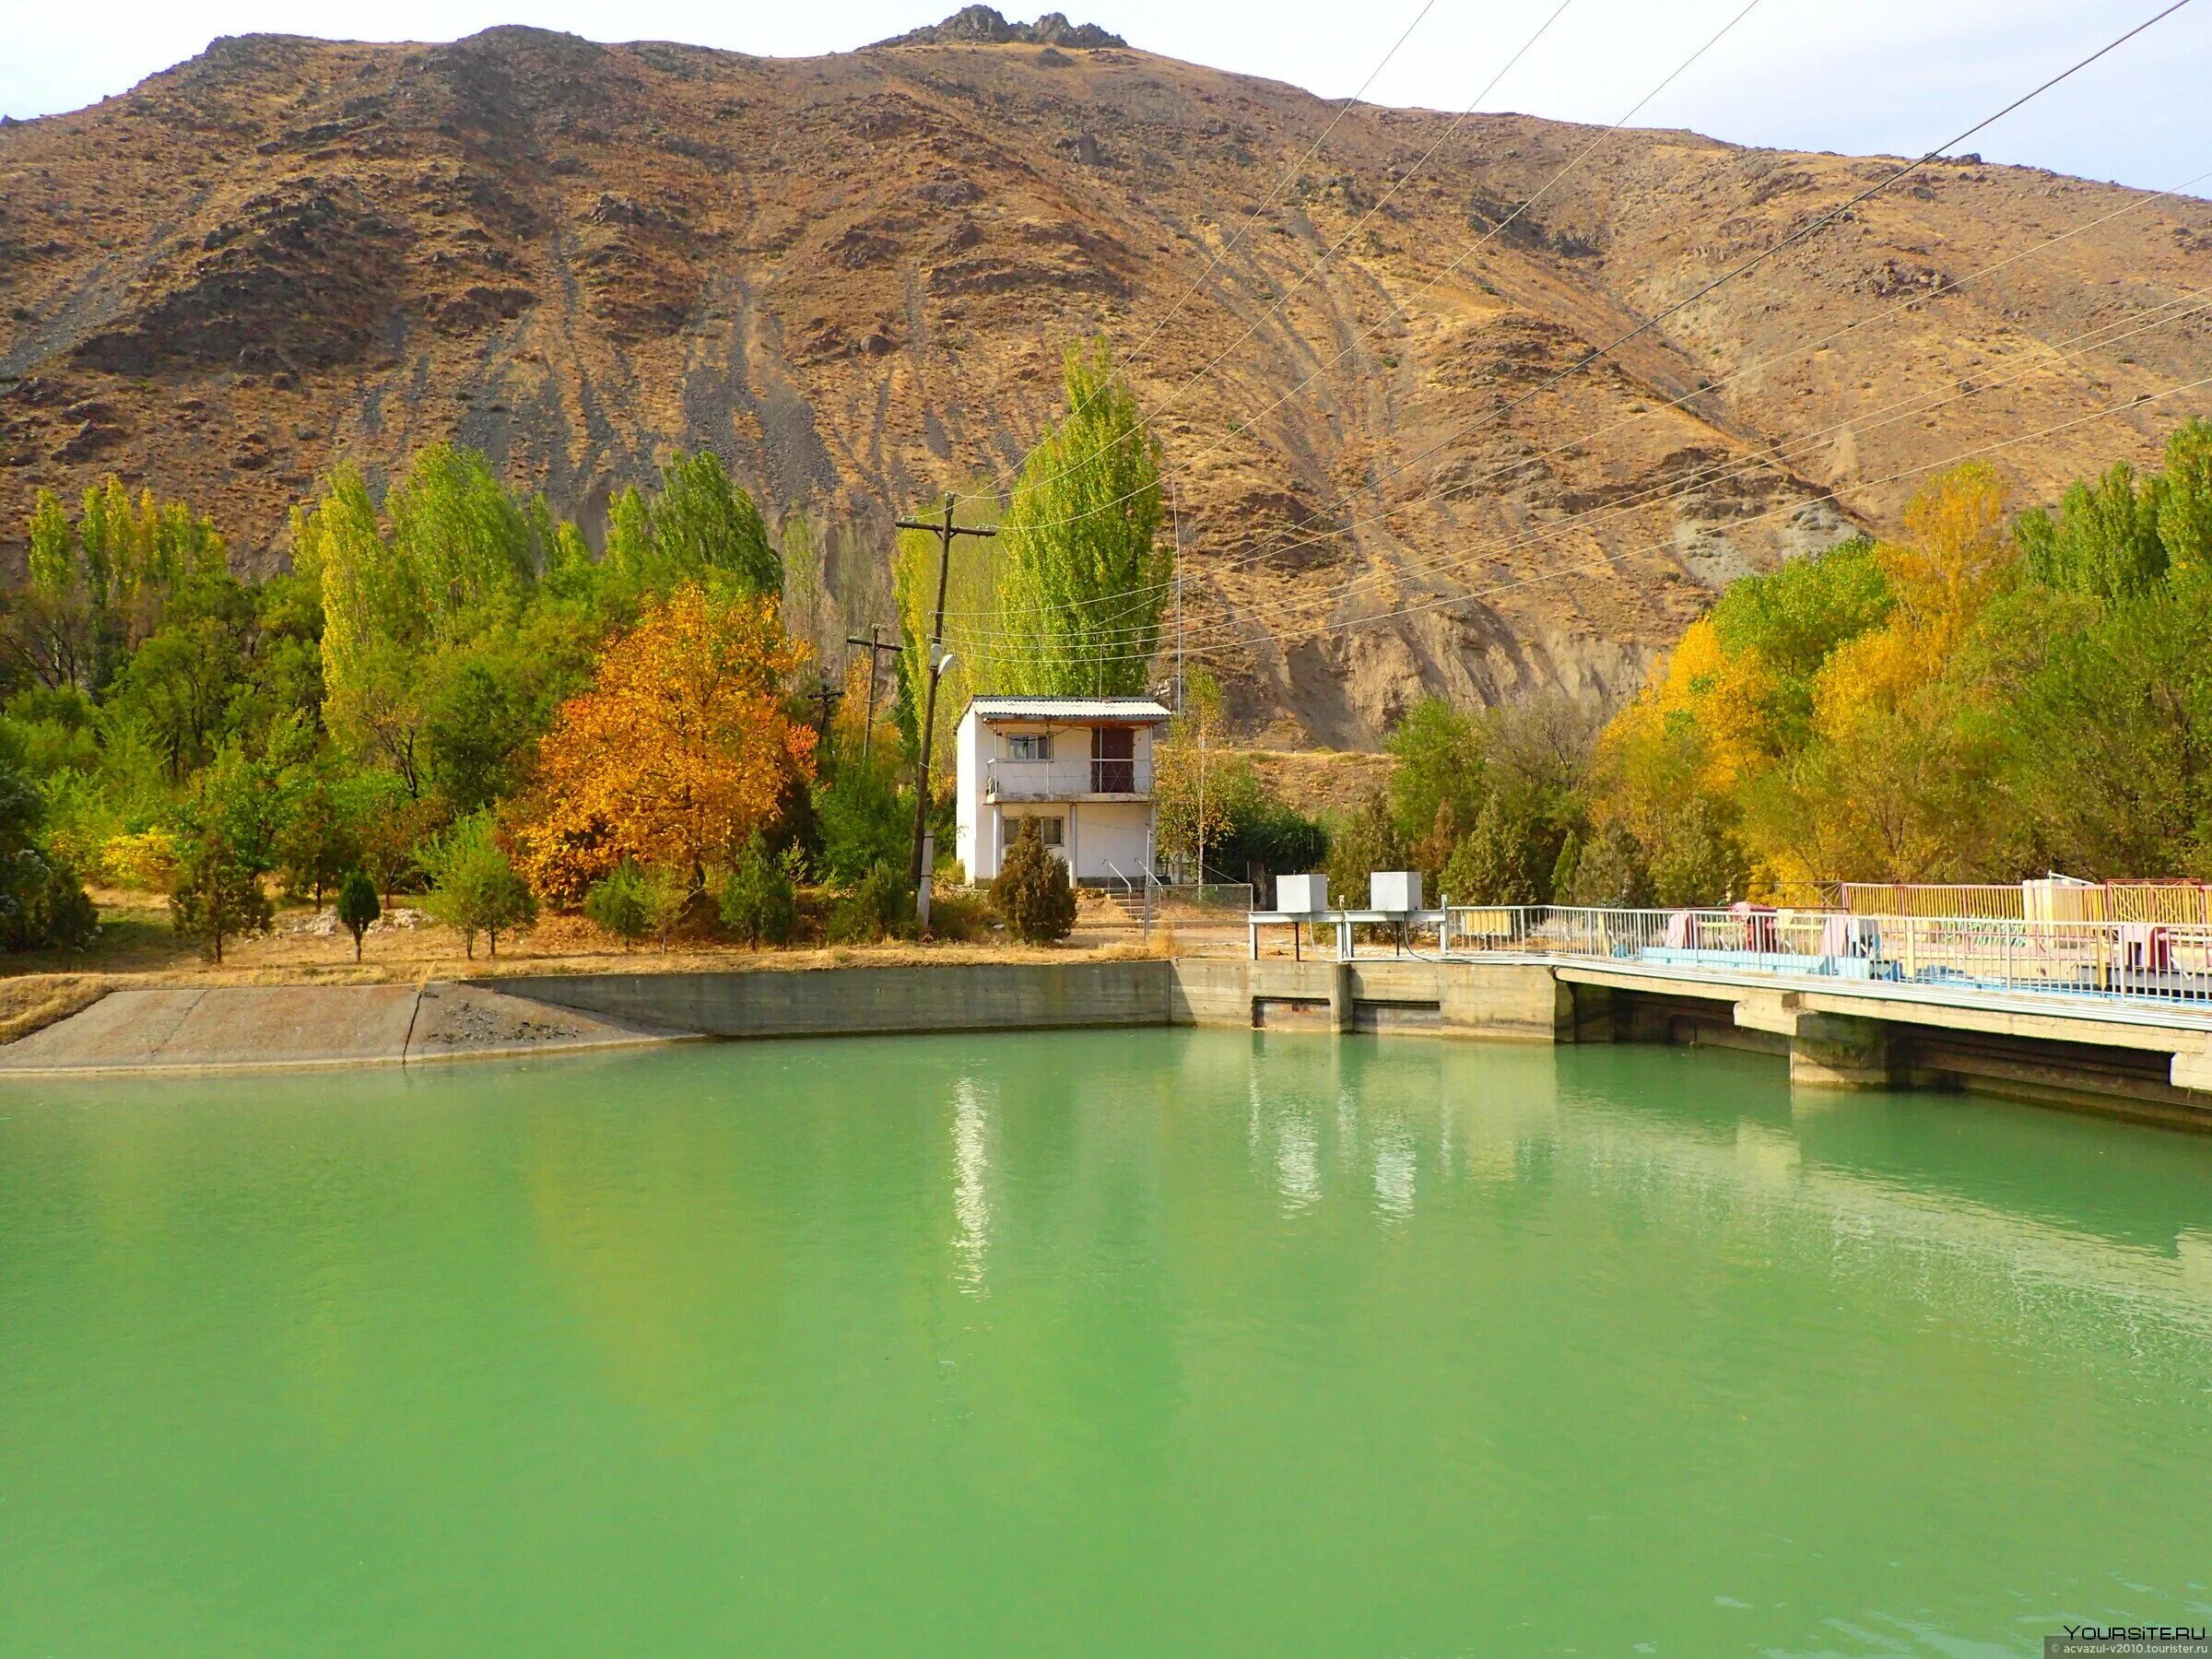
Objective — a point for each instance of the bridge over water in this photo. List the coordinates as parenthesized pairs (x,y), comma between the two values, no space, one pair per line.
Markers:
(2116,1015)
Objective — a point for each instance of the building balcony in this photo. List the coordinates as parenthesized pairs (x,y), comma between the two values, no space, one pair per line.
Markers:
(1067,779)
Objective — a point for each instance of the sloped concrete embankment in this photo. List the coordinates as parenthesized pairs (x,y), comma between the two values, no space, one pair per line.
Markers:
(269,1027)
(836,1002)
(229,1028)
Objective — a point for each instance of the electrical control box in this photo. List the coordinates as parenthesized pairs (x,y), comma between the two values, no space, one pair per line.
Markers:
(1397,892)
(1301,895)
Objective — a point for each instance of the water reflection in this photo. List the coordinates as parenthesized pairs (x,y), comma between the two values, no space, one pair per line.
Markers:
(1395,1165)
(1297,1160)
(1790,1179)
(971,1201)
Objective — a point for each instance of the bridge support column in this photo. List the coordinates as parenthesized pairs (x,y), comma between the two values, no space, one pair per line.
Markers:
(1590,1014)
(1832,1051)
(2194,1071)
(1827,1051)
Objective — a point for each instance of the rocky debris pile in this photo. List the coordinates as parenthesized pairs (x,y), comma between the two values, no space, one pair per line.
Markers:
(463,1019)
(983,26)
(324,924)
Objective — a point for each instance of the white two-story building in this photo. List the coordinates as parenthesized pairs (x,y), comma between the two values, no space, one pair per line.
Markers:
(1081,766)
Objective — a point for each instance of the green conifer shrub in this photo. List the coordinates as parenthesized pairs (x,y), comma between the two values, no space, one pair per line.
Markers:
(759,899)
(620,903)
(358,907)
(881,907)
(1032,892)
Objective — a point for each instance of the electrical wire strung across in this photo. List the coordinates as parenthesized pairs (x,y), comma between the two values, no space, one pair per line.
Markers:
(1750,265)
(1319,260)
(1747,266)
(1599,353)
(2195,303)
(1468,485)
(1496,230)
(1706,477)
(1477,596)
(2118,333)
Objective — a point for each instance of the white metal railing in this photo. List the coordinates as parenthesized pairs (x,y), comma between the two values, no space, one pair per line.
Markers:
(2168,966)
(1064,780)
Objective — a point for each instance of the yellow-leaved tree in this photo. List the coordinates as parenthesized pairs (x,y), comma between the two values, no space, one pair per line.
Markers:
(1893,787)
(1954,552)
(683,747)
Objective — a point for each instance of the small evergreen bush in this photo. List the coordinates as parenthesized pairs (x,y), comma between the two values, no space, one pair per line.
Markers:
(759,901)
(1032,892)
(1612,872)
(882,906)
(620,903)
(358,907)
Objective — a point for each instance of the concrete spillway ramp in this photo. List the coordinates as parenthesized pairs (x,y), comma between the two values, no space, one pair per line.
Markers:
(254,1027)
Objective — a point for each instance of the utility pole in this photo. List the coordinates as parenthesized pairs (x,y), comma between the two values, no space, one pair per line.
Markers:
(918,870)
(877,645)
(827,696)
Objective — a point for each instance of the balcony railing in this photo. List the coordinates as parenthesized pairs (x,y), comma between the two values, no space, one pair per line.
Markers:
(1064,780)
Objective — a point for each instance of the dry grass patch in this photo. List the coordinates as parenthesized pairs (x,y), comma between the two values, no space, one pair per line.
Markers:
(34,1001)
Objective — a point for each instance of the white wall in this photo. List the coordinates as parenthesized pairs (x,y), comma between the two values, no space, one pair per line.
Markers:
(969,810)
(1106,838)
(1110,838)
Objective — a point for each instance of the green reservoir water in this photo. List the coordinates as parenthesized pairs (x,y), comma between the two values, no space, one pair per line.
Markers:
(1137,1344)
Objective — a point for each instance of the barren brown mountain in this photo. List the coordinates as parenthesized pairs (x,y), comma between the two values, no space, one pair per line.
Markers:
(854,276)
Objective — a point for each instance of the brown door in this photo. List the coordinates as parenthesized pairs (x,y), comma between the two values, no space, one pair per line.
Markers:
(1113,760)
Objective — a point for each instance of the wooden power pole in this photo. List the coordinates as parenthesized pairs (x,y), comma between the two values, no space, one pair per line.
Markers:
(877,645)
(945,530)
(826,697)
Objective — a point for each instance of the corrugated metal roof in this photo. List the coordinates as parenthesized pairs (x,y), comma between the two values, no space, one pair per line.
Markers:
(1139,711)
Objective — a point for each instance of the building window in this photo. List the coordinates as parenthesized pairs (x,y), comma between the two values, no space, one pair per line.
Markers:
(1029,746)
(1053,831)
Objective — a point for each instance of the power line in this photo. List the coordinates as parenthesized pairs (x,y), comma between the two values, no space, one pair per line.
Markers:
(1686,398)
(1303,277)
(1787,453)
(1496,230)
(1443,601)
(1466,486)
(1871,420)
(1797,236)
(1794,237)
(1760,258)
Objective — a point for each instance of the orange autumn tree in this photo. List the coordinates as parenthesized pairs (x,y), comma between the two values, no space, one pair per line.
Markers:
(682,748)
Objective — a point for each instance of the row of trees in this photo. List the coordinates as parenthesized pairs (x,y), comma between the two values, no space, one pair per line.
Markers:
(449,693)
(1982,697)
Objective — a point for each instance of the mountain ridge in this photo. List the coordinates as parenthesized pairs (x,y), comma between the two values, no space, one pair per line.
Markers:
(854,276)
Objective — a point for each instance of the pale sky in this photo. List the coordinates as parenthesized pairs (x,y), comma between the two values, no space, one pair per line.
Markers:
(1885,77)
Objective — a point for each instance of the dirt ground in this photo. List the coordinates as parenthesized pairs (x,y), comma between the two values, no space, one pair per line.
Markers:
(139,949)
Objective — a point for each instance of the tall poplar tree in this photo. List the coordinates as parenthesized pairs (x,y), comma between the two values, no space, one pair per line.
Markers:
(1084,579)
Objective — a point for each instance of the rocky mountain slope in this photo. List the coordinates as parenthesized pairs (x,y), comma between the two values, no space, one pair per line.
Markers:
(856,275)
